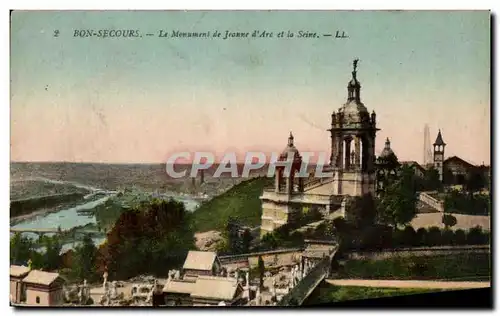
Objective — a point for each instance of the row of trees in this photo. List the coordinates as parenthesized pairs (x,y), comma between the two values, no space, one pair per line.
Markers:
(45,254)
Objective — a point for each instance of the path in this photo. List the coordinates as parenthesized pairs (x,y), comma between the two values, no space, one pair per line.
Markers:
(410,284)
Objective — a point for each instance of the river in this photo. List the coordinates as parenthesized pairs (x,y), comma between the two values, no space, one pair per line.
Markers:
(69,217)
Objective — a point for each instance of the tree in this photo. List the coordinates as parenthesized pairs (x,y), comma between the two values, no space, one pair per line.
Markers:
(449,220)
(261,268)
(246,240)
(84,262)
(361,211)
(474,181)
(21,249)
(431,180)
(150,238)
(269,241)
(475,236)
(232,234)
(397,205)
(51,257)
(460,237)
(434,236)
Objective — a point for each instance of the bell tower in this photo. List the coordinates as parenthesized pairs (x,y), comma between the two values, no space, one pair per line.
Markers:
(439,145)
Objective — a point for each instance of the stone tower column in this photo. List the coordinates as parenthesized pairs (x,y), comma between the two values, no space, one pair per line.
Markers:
(357,152)
(340,152)
(347,164)
(277,180)
(333,157)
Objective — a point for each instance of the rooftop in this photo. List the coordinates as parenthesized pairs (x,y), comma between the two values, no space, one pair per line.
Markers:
(19,271)
(200,260)
(220,288)
(41,277)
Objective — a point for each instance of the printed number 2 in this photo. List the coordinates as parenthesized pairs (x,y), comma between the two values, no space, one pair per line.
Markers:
(56,33)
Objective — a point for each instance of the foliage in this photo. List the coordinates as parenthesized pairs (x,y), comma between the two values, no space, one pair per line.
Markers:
(108,212)
(242,202)
(51,259)
(282,237)
(397,205)
(246,240)
(476,236)
(21,249)
(380,237)
(449,220)
(361,211)
(431,180)
(462,266)
(149,239)
(471,204)
(83,267)
(43,253)
(475,181)
(232,236)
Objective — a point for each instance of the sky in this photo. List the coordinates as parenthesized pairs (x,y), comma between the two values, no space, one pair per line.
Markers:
(139,100)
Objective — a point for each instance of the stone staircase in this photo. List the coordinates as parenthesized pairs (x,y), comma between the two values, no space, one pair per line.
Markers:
(429,204)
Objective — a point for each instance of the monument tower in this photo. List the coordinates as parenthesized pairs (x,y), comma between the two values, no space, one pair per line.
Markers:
(352,134)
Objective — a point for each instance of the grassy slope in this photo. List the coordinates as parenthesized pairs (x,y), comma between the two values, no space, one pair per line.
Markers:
(241,202)
(327,293)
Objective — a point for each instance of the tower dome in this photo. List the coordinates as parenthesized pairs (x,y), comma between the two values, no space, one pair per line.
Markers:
(387,151)
(354,111)
(290,150)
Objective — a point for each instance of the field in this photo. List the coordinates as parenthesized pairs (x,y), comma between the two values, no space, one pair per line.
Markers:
(326,293)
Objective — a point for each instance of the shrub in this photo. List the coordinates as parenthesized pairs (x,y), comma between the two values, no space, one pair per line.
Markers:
(434,237)
(420,237)
(449,220)
(460,237)
(448,237)
(476,236)
(409,236)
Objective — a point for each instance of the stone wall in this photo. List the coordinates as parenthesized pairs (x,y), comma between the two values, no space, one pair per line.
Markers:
(270,258)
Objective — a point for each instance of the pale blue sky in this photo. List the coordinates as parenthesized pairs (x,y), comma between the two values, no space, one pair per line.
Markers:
(137,100)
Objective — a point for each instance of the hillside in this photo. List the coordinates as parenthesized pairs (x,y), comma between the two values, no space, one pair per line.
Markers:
(241,202)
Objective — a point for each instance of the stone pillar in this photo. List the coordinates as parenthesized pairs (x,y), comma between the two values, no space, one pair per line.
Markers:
(347,158)
(277,180)
(357,152)
(333,157)
(340,153)
(371,155)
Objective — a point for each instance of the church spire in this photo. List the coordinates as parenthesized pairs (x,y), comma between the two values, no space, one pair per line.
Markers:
(353,88)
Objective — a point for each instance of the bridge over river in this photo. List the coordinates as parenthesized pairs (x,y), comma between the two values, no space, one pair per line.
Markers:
(42,231)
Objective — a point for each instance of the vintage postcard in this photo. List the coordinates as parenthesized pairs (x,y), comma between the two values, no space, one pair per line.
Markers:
(249,158)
